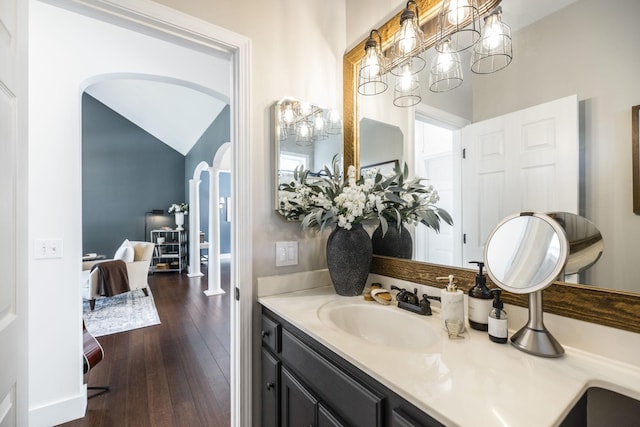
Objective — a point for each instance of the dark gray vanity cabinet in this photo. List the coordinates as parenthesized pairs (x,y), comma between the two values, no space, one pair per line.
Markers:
(306,384)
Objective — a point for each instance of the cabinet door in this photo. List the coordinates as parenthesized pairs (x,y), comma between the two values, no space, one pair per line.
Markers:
(326,418)
(270,390)
(298,404)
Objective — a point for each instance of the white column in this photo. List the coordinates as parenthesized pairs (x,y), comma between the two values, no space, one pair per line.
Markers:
(194,229)
(214,286)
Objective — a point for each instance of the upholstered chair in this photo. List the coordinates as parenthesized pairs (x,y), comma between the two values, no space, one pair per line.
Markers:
(137,261)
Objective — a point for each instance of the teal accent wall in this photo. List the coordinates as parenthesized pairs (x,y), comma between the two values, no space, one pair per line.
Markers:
(125,173)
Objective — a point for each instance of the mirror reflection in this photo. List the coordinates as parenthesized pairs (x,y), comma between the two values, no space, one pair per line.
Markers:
(306,135)
(603,106)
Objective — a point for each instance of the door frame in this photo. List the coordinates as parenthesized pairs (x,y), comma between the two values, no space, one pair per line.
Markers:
(156,20)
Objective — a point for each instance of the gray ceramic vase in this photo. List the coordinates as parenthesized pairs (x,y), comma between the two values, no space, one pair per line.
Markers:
(396,242)
(349,259)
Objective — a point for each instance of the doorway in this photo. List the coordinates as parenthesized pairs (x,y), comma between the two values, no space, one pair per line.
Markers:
(162,23)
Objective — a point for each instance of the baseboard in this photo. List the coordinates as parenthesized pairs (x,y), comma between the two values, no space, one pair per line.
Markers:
(59,412)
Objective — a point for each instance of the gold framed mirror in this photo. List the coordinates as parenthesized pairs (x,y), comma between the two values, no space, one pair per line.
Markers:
(620,309)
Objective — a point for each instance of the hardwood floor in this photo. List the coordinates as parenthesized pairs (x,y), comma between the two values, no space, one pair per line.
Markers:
(172,374)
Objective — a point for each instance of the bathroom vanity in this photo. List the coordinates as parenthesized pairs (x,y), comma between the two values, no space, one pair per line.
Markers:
(332,360)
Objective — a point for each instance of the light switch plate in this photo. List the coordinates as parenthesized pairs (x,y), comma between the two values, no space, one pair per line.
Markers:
(47,248)
(286,253)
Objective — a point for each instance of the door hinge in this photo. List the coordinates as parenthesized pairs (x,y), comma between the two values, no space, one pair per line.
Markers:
(237,294)
(464,153)
(464,238)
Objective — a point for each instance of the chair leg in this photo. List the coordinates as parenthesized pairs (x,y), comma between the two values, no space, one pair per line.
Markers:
(92,304)
(102,390)
(146,292)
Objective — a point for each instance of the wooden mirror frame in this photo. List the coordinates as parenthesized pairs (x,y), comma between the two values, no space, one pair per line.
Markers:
(618,309)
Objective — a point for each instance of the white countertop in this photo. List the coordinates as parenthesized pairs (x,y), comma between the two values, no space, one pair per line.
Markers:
(466,382)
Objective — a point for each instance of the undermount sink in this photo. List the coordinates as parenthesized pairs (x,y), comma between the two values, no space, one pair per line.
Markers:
(379,324)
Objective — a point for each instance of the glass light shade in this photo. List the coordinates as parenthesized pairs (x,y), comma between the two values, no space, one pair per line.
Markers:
(458,21)
(406,89)
(446,69)
(334,123)
(372,78)
(408,45)
(319,127)
(493,52)
(304,134)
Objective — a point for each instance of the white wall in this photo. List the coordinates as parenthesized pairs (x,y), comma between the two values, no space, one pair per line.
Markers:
(66,52)
(297,52)
(590,49)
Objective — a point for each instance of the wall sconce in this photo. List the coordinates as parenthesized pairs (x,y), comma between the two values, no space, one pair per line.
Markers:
(446,69)
(407,50)
(458,22)
(493,51)
(372,78)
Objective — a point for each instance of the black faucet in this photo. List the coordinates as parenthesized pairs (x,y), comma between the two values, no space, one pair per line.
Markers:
(410,301)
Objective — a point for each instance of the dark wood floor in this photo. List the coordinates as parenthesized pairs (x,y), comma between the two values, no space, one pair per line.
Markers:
(172,374)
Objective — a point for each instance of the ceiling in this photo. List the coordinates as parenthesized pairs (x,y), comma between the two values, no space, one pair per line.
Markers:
(176,115)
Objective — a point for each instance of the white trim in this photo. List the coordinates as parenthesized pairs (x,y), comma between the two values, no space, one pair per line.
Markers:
(159,21)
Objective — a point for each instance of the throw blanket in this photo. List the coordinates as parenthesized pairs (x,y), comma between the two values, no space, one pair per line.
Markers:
(112,278)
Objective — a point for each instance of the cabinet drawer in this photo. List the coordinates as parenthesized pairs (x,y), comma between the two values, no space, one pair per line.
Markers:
(271,335)
(270,390)
(349,399)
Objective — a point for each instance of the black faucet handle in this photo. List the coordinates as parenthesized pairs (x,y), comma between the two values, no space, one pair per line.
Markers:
(425,304)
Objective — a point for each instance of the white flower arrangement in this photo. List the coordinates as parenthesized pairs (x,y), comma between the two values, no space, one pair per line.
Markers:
(328,199)
(179,207)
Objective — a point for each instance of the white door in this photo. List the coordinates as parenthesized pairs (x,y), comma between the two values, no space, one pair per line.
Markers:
(523,161)
(13,321)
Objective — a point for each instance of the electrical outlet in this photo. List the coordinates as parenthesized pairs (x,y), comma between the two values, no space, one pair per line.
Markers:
(47,248)
(286,253)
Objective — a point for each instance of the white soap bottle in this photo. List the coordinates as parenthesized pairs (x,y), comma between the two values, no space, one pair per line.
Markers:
(451,303)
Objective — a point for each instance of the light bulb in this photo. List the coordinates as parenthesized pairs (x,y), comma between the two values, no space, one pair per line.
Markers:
(444,63)
(305,108)
(334,116)
(288,114)
(492,33)
(457,11)
(407,43)
(319,123)
(372,67)
(406,80)
(304,131)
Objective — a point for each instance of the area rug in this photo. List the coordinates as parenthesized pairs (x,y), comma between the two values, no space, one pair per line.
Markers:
(120,313)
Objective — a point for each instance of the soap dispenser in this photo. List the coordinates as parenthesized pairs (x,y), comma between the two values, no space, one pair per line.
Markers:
(498,320)
(480,301)
(451,303)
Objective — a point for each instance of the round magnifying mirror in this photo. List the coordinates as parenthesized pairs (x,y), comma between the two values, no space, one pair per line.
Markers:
(526,252)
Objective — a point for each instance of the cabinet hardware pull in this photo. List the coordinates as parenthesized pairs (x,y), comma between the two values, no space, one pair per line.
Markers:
(265,334)
(270,386)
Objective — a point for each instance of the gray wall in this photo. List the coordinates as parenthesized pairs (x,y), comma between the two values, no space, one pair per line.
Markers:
(204,150)
(125,173)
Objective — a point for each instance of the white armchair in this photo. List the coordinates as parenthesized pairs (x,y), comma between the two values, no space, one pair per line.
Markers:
(137,270)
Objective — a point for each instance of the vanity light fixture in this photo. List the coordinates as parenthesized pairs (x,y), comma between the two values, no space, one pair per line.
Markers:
(446,69)
(407,51)
(493,51)
(373,67)
(306,122)
(458,22)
